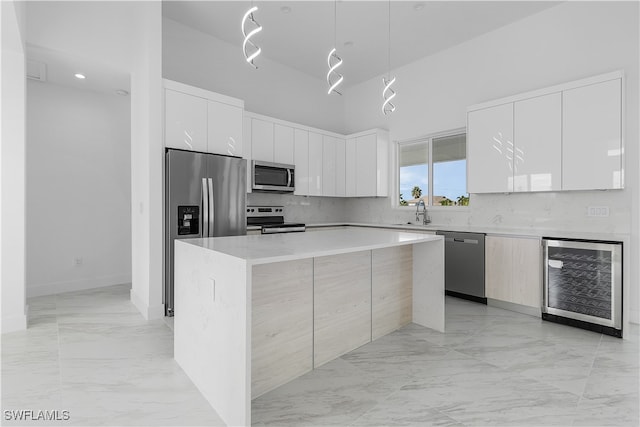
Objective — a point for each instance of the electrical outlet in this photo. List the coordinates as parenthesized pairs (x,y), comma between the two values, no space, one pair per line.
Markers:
(599,211)
(77,261)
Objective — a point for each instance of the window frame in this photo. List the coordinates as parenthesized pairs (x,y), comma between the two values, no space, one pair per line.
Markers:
(395,199)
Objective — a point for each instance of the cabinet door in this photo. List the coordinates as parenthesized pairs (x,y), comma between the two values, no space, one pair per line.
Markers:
(301,162)
(224,129)
(513,270)
(283,144)
(340,167)
(592,137)
(537,162)
(328,166)
(185,121)
(281,323)
(341,304)
(527,272)
(315,164)
(391,289)
(246,134)
(366,165)
(262,140)
(498,268)
(490,150)
(350,167)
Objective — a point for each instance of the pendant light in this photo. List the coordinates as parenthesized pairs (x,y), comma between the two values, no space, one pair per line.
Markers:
(334,78)
(387,93)
(249,48)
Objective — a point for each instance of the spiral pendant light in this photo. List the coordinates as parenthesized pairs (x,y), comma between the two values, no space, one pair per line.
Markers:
(387,93)
(249,48)
(334,78)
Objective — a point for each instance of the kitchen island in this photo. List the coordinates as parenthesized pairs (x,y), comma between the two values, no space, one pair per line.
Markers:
(254,312)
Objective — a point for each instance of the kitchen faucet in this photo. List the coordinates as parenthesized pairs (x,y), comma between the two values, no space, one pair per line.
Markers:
(425,218)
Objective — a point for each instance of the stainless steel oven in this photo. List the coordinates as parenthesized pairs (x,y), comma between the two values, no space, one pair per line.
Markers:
(273,177)
(583,284)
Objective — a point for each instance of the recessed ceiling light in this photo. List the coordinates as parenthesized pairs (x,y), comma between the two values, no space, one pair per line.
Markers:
(418,6)
(348,43)
(80,76)
(285,9)
(122,92)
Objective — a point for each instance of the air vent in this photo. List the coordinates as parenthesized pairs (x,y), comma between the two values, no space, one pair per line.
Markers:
(36,70)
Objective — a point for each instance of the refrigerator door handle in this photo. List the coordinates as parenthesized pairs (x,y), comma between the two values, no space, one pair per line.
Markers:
(211,208)
(205,209)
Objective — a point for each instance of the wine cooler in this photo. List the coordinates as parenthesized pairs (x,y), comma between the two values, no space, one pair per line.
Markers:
(583,284)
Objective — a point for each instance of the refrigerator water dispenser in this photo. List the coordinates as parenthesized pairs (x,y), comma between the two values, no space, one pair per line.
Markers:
(188,220)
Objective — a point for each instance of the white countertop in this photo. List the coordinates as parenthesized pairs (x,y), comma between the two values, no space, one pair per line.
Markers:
(264,249)
(495,230)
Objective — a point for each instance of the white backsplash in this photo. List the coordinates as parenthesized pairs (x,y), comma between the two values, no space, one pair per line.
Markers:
(308,210)
(534,211)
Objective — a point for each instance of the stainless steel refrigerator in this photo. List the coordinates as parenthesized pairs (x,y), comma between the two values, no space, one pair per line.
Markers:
(205,197)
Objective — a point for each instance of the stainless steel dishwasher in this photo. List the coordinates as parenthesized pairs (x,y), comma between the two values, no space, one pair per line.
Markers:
(464,265)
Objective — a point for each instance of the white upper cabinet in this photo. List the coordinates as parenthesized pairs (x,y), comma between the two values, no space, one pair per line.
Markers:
(262,140)
(490,149)
(537,157)
(366,165)
(350,167)
(315,164)
(283,144)
(224,129)
(592,137)
(340,167)
(328,165)
(566,137)
(200,120)
(301,162)
(185,121)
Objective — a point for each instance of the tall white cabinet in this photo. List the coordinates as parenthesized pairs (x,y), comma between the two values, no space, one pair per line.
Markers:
(315,164)
(185,121)
(566,137)
(301,162)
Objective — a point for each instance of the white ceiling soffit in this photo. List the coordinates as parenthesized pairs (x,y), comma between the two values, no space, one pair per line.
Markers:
(302,38)
(61,68)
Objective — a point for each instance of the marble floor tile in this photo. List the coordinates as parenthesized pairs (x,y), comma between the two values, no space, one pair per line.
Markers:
(91,353)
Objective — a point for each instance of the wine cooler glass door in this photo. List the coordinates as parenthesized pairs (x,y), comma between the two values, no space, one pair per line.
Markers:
(583,281)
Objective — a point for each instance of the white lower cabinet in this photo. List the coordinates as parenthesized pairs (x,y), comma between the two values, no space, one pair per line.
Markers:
(513,270)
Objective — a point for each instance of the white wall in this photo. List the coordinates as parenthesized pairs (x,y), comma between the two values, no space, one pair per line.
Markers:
(147,157)
(78,189)
(567,42)
(198,59)
(12,166)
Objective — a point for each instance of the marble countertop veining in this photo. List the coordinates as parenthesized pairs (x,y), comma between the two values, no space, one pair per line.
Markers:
(268,248)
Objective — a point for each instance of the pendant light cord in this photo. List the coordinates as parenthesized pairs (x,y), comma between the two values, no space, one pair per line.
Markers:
(389,43)
(335,21)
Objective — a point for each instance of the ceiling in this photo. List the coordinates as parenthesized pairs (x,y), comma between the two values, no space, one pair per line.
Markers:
(303,37)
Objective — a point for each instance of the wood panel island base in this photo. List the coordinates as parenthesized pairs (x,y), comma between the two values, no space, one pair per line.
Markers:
(254,312)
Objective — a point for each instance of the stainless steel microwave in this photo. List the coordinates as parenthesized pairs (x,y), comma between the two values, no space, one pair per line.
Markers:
(273,177)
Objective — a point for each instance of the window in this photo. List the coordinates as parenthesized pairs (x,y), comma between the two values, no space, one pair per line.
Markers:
(433,169)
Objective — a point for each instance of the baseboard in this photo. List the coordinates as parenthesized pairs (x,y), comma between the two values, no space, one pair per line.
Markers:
(147,311)
(518,308)
(77,285)
(14,323)
(634,316)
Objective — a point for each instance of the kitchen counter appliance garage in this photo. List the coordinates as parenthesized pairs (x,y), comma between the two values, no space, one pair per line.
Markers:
(271,220)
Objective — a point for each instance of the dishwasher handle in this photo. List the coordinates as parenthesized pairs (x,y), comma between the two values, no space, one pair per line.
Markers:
(458,240)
